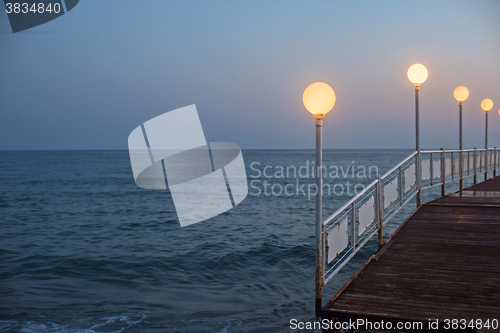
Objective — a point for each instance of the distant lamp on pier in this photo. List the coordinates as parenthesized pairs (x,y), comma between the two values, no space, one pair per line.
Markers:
(417,74)
(486,105)
(461,94)
(319,98)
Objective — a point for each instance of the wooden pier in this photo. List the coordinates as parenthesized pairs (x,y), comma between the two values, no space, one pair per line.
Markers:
(442,263)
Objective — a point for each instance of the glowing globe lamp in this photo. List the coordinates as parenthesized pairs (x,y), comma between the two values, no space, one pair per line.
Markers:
(319,98)
(486,104)
(461,94)
(417,74)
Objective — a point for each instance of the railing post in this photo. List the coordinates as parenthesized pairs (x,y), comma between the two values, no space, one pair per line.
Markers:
(431,166)
(353,226)
(468,163)
(419,179)
(475,165)
(495,163)
(380,212)
(486,164)
(480,161)
(452,166)
(443,174)
(400,186)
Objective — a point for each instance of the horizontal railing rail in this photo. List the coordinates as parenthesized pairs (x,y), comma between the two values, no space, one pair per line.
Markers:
(347,230)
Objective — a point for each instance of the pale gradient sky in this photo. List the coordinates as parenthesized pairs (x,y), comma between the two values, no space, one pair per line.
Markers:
(88,78)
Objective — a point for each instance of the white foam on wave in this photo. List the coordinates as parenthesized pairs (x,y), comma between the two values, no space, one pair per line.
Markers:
(113,324)
(230,323)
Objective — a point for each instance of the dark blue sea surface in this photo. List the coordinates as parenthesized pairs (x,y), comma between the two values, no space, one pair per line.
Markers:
(83,249)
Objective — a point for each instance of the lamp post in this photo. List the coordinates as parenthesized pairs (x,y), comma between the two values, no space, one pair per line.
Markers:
(461,94)
(319,98)
(486,105)
(417,74)
(496,158)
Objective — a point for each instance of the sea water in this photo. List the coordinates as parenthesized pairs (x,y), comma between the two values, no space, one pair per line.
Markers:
(83,249)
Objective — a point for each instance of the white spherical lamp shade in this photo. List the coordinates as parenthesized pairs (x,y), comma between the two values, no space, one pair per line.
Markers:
(486,104)
(319,98)
(461,93)
(417,74)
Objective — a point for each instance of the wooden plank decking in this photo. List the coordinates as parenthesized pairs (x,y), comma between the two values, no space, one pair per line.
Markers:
(442,263)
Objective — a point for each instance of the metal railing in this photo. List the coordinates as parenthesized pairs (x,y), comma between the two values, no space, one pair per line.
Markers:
(347,230)
(441,167)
